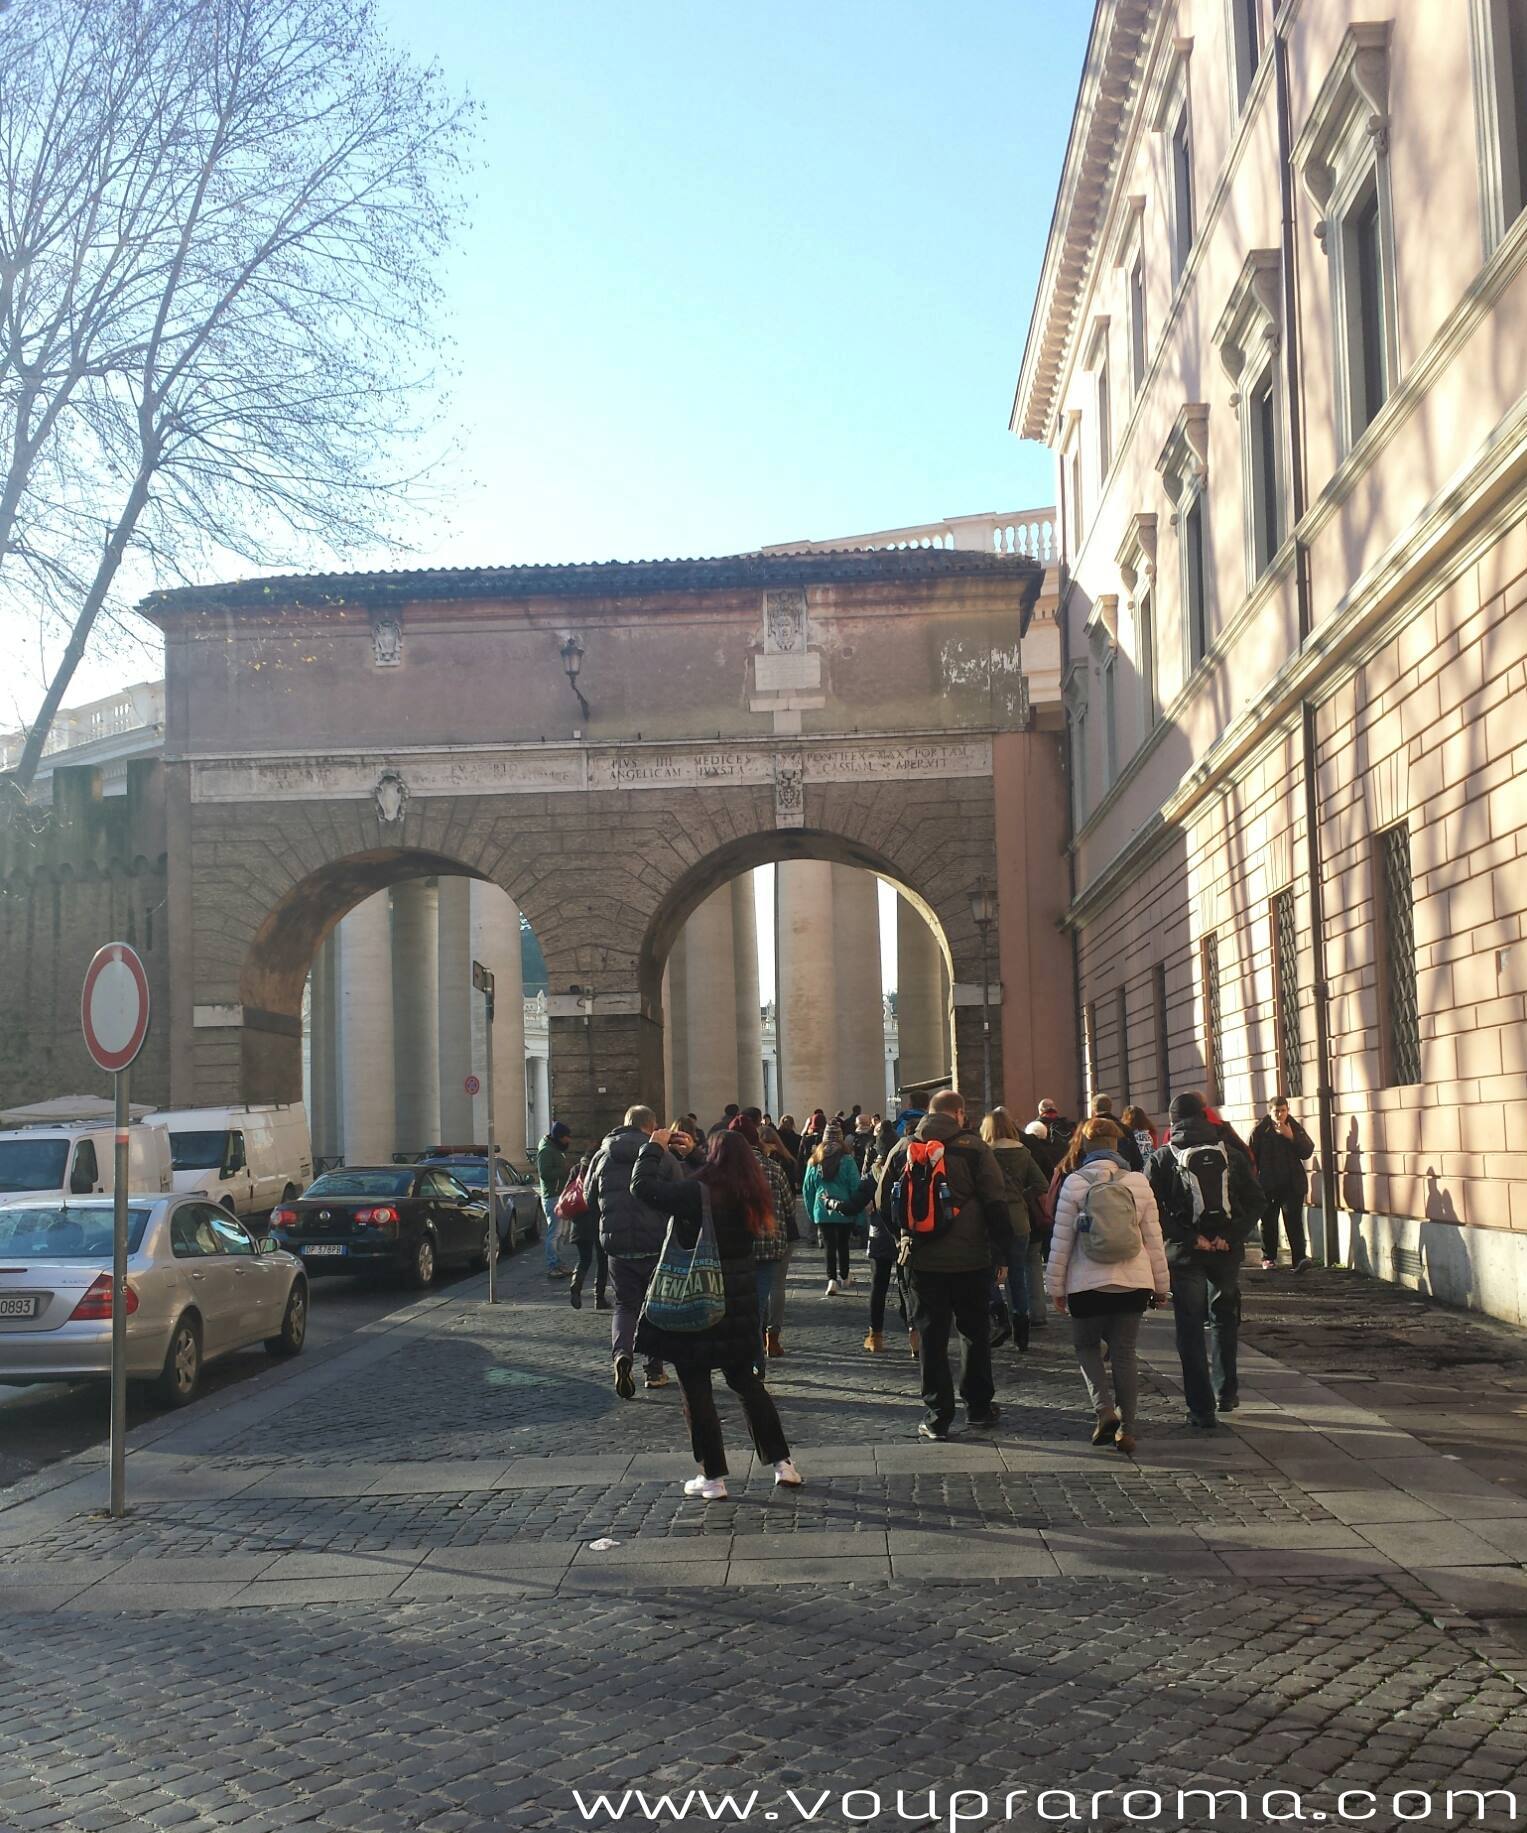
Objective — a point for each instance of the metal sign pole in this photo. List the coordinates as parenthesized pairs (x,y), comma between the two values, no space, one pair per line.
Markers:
(482,979)
(119,1302)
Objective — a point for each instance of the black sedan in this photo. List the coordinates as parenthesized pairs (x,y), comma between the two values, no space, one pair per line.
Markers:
(404,1219)
(519,1201)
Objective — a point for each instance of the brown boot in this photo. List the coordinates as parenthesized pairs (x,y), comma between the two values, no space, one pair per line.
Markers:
(874,1342)
(914,1344)
(772,1344)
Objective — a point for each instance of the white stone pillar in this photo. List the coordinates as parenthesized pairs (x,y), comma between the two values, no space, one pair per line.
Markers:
(711,1006)
(750,1079)
(860,1000)
(415,1014)
(540,1101)
(365,1007)
(805,987)
(496,944)
(324,1118)
(922,997)
(455,1009)
(676,1025)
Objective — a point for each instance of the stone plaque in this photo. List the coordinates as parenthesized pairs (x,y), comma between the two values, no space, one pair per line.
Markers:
(774,674)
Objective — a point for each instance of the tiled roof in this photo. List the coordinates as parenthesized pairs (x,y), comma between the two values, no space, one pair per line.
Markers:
(596,579)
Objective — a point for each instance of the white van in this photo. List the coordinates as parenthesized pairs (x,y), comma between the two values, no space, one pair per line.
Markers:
(246,1158)
(78,1161)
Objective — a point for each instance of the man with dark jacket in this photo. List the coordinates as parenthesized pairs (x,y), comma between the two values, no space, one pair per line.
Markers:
(554,1165)
(951,1274)
(1209,1202)
(1280,1149)
(631,1233)
(1125,1145)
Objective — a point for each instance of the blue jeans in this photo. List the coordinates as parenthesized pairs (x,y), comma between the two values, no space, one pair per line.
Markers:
(553,1254)
(1018,1279)
(1206,1298)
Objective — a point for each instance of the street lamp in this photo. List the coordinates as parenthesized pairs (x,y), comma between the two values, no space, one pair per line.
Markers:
(983,911)
(572,661)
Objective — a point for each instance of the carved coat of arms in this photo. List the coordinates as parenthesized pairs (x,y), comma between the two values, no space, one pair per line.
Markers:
(785,622)
(789,791)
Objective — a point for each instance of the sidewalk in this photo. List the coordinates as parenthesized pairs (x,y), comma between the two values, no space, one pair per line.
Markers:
(377,1573)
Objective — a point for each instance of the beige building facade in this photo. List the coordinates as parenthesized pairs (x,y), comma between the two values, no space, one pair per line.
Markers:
(1279,349)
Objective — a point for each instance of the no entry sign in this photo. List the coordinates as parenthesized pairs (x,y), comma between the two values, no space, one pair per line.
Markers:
(114,1006)
(472,1085)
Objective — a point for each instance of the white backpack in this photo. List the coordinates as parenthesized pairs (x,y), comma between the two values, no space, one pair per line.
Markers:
(1108,1224)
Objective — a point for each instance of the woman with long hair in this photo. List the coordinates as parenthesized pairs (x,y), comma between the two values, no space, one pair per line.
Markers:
(1135,1120)
(741,1208)
(832,1180)
(1106,1268)
(1025,1186)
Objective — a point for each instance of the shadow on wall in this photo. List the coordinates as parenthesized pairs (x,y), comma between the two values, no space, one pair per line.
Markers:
(1447,1266)
(1352,1198)
(1439,1202)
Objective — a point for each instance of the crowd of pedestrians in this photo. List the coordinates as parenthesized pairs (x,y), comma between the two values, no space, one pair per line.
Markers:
(981,1230)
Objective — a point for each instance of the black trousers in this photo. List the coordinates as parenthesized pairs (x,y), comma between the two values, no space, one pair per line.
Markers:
(835,1239)
(705,1422)
(944,1303)
(880,1285)
(588,1251)
(1291,1207)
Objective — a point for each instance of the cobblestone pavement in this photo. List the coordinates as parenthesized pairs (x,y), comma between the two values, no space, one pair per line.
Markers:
(365,1594)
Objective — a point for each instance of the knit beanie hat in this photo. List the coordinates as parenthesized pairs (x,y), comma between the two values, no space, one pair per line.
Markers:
(1188,1107)
(833,1137)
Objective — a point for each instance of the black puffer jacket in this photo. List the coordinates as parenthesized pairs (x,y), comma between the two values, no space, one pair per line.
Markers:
(1174,1202)
(627,1228)
(736,1342)
(1280,1161)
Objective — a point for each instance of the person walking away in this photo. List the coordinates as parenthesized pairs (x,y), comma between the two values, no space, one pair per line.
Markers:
(631,1234)
(832,1179)
(1025,1185)
(583,1231)
(882,1246)
(1128,1147)
(1139,1125)
(771,1249)
(1209,1202)
(554,1164)
(862,1144)
(774,1318)
(1281,1150)
(1107,1265)
(1055,1123)
(791,1140)
(740,1208)
(950,1265)
(728,1114)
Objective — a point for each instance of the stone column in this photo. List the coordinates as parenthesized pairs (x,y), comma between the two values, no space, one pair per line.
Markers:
(539,1103)
(750,1080)
(922,997)
(711,1005)
(496,943)
(860,1008)
(676,1027)
(365,1005)
(805,987)
(415,1013)
(323,1050)
(455,1009)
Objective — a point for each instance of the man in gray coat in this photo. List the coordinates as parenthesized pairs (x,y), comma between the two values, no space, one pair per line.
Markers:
(631,1234)
(951,1273)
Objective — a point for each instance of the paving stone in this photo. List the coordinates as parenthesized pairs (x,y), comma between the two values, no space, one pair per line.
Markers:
(1312,1562)
(627,1579)
(812,1546)
(793,1571)
(531,1555)
(266,1591)
(438,1478)
(1433,1543)
(1228,1534)
(1487,1590)
(1357,1506)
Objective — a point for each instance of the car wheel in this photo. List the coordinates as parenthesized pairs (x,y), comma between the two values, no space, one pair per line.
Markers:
(294,1325)
(481,1257)
(180,1378)
(421,1272)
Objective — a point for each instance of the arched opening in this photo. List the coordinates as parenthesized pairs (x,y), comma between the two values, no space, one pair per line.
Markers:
(359,997)
(788,960)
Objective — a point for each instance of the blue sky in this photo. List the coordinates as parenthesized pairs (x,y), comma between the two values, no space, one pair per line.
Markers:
(734,275)
(745,274)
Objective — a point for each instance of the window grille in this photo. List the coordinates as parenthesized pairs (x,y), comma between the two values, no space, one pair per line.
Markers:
(1399,939)
(1163,1050)
(1286,986)
(1209,963)
(1121,1020)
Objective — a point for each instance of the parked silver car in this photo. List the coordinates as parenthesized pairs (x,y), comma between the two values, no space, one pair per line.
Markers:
(198,1287)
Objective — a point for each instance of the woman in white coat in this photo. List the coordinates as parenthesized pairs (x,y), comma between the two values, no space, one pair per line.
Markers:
(1105,1272)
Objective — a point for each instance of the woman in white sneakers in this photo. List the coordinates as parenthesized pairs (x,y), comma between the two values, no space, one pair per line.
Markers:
(1107,1266)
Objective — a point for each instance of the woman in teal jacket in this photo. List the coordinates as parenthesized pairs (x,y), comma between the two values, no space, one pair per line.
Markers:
(832,1176)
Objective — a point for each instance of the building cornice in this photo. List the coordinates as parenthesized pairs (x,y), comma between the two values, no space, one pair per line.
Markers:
(1105,98)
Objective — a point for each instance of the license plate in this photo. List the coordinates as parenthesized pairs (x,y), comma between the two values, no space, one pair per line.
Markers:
(323,1247)
(27,1305)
